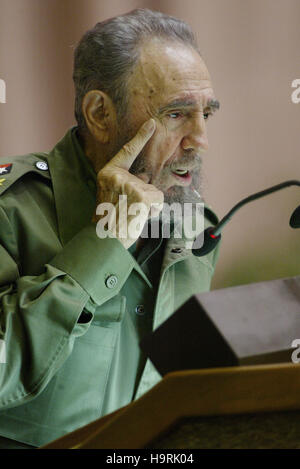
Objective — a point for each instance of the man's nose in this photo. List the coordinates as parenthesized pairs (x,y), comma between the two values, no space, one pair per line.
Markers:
(196,136)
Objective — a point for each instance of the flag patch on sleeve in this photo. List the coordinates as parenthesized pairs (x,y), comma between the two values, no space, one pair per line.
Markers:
(5,168)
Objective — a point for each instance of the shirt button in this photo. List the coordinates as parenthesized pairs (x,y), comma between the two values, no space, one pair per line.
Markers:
(140,309)
(42,165)
(111,281)
(176,250)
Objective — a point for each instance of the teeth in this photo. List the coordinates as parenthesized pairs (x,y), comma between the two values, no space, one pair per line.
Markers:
(180,172)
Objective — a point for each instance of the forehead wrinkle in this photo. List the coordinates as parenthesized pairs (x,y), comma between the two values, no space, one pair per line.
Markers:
(159,83)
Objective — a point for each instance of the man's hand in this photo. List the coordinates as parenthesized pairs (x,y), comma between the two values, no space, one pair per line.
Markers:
(114,180)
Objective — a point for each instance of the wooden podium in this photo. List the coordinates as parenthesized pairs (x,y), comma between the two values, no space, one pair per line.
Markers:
(234,407)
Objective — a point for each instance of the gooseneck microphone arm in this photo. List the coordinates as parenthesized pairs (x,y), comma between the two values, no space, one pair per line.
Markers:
(295,218)
(212,235)
(218,228)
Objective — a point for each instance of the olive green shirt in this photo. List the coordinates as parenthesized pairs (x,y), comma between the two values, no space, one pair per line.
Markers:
(73,307)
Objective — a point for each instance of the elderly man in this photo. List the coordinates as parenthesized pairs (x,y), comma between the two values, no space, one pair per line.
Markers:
(74,305)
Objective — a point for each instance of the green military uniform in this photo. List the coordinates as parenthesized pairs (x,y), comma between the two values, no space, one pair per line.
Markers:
(73,307)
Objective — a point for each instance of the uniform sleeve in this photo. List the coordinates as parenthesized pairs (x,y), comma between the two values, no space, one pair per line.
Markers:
(41,316)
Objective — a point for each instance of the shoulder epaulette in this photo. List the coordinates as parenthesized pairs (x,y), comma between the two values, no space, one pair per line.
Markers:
(14,168)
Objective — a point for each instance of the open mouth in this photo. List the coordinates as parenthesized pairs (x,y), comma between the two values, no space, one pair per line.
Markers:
(182,175)
(181,172)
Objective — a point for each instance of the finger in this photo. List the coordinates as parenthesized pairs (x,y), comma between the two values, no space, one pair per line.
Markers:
(128,153)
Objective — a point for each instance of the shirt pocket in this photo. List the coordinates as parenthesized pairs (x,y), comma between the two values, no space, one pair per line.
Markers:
(75,397)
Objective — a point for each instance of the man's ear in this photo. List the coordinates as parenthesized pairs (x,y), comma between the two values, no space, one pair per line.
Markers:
(99,113)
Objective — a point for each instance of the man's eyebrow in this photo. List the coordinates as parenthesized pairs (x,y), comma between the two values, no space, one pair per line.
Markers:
(214,104)
(179,104)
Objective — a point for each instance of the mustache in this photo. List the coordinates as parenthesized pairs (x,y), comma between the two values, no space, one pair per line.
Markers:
(189,160)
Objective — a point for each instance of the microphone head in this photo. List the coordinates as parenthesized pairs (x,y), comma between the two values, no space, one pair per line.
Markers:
(209,243)
(295,218)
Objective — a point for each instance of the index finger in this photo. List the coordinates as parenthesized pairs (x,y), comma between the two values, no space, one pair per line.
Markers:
(128,153)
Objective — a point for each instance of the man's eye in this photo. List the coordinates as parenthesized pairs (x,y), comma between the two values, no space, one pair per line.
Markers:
(175,115)
(206,115)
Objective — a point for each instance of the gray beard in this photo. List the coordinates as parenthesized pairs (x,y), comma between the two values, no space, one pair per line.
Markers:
(179,194)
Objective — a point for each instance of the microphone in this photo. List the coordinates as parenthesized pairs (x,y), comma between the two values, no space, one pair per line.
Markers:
(212,235)
(295,218)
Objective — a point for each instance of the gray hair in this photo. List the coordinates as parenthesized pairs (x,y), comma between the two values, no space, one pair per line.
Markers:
(107,53)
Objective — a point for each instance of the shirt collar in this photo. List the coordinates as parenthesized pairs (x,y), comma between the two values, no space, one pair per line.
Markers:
(74,185)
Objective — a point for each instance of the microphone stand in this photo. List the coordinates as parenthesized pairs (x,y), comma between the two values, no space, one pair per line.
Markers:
(212,235)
